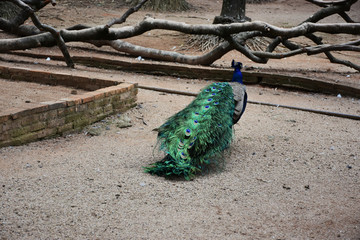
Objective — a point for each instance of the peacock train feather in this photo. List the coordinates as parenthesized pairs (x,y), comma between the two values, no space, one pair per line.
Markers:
(198,134)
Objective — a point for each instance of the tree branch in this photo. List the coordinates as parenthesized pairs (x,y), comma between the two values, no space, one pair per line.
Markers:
(106,35)
(100,33)
(321,3)
(123,18)
(244,50)
(267,30)
(55,34)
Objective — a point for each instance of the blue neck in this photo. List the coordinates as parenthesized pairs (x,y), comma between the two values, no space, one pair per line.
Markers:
(237,76)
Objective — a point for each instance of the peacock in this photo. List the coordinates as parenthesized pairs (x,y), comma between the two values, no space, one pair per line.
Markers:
(196,136)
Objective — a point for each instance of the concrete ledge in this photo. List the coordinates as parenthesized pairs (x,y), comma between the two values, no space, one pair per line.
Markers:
(250,77)
(55,118)
(210,73)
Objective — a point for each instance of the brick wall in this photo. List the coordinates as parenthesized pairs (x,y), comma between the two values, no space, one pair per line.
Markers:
(48,119)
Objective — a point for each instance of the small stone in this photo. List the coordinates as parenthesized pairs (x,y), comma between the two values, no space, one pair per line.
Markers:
(286,187)
(123,122)
(349,166)
(94,132)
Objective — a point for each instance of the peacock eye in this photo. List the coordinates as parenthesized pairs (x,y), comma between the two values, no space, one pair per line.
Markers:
(207,106)
(213,94)
(187,132)
(216,103)
(210,99)
(183,155)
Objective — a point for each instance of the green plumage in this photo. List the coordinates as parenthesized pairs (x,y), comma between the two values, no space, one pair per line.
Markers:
(197,134)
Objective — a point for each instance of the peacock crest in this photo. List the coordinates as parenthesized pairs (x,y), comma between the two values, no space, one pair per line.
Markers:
(196,135)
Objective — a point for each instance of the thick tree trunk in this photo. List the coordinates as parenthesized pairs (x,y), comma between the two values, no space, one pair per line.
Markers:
(232,11)
(8,10)
(165,5)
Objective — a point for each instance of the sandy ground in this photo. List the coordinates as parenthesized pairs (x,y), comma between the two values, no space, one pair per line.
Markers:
(288,175)
(17,94)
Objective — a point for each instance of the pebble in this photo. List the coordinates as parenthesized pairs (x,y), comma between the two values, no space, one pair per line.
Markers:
(286,187)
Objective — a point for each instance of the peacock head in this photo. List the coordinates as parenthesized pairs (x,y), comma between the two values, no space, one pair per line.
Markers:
(237,75)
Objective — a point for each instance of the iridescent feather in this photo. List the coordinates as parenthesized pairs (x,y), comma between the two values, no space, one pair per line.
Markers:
(196,135)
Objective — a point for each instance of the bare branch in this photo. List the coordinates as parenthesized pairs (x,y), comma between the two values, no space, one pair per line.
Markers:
(346,17)
(244,50)
(100,33)
(331,57)
(267,30)
(321,3)
(151,53)
(351,46)
(123,18)
(55,34)
(235,34)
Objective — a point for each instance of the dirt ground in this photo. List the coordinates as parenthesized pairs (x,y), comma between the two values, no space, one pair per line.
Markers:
(288,174)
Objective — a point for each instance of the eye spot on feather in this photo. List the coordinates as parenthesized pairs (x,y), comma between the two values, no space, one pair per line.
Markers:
(196,122)
(183,155)
(207,107)
(181,144)
(187,132)
(210,99)
(190,145)
(213,94)
(216,103)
